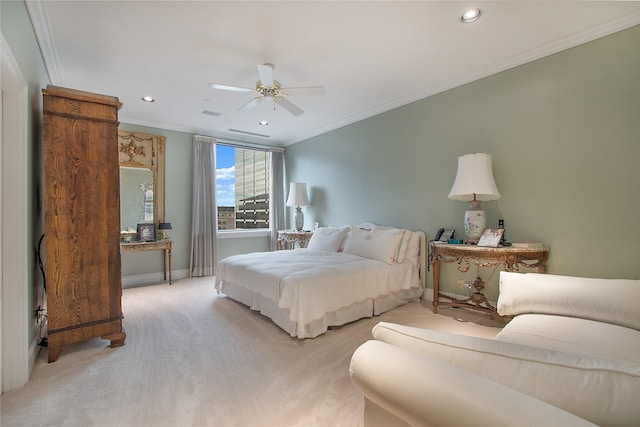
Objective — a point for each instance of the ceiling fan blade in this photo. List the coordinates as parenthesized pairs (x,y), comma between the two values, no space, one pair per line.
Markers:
(251,104)
(310,90)
(289,106)
(266,74)
(232,88)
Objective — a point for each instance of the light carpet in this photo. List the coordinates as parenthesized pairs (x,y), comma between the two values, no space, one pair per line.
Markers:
(193,358)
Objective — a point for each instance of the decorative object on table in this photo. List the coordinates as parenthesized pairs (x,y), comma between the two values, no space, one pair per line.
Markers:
(503,239)
(491,237)
(474,183)
(146,232)
(163,227)
(447,234)
(298,198)
(128,235)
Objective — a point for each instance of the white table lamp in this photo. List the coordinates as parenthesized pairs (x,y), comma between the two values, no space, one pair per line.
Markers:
(298,198)
(474,183)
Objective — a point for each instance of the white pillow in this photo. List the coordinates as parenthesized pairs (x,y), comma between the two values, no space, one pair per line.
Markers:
(413,247)
(404,241)
(409,244)
(327,239)
(378,244)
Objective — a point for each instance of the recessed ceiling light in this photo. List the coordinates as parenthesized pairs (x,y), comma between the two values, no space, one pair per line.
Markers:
(470,15)
(263,123)
(148,99)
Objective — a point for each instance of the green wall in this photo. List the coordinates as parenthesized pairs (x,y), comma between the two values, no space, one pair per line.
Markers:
(564,132)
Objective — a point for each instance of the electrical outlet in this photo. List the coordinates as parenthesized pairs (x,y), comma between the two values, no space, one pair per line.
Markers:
(461,283)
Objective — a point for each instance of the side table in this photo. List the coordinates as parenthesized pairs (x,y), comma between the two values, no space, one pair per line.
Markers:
(158,245)
(464,255)
(288,238)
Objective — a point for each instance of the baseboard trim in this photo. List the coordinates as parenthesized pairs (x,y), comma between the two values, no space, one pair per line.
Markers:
(34,351)
(137,280)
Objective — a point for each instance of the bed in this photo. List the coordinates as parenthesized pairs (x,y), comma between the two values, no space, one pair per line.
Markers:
(345,274)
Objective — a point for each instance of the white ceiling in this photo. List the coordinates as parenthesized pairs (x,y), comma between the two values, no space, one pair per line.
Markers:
(371,56)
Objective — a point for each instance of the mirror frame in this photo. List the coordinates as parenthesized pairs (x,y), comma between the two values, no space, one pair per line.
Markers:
(146,151)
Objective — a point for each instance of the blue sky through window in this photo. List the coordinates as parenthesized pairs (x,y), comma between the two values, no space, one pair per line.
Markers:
(225,175)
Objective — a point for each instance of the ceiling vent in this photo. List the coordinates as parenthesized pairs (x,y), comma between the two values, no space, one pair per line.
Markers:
(211,113)
(249,133)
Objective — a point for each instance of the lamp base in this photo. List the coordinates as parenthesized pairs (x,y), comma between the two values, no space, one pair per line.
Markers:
(298,219)
(475,221)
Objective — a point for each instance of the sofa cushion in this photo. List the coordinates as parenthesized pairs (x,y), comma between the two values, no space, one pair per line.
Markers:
(573,335)
(601,391)
(607,300)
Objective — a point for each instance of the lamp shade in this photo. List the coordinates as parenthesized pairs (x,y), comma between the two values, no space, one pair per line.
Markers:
(298,194)
(474,180)
(164,226)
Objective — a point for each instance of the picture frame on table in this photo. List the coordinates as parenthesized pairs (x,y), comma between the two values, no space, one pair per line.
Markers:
(146,232)
(491,237)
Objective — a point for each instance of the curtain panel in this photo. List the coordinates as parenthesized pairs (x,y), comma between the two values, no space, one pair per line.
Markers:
(277,208)
(204,212)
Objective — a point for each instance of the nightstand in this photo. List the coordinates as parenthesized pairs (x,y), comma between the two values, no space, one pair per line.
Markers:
(510,258)
(288,238)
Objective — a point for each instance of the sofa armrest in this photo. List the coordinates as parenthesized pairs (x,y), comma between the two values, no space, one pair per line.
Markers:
(417,390)
(613,301)
(573,382)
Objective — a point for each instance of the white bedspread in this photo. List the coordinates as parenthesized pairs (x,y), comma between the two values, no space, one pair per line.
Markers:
(311,283)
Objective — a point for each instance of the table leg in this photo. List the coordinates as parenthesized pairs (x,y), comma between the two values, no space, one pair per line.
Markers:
(170,267)
(436,284)
(164,263)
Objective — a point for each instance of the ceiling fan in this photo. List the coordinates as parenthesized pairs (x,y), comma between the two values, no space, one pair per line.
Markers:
(267,87)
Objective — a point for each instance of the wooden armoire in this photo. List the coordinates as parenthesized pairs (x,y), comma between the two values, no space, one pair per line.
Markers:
(81,218)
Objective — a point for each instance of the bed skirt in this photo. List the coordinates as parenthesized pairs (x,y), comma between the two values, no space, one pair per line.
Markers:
(351,313)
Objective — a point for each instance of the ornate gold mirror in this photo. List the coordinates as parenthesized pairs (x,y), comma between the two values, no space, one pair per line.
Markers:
(142,161)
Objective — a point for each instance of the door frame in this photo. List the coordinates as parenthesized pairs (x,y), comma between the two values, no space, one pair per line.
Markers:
(15,363)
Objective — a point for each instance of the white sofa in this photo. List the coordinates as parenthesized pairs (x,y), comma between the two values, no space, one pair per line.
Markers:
(570,356)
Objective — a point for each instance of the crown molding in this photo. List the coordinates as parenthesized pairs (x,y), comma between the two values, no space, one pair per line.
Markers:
(40,22)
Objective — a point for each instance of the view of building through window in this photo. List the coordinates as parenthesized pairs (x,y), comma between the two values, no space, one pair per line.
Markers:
(242,188)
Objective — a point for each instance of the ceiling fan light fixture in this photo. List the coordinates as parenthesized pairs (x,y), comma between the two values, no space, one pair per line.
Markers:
(268,88)
(470,15)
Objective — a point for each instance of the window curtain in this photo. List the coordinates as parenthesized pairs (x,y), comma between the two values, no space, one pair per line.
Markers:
(204,212)
(276,210)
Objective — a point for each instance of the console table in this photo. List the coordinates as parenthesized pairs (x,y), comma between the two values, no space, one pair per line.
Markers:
(511,259)
(288,238)
(160,245)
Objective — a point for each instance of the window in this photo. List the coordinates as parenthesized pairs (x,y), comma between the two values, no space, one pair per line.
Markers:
(242,188)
